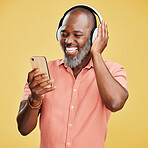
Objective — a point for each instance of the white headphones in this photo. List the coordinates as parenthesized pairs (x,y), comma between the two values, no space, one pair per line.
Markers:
(92,10)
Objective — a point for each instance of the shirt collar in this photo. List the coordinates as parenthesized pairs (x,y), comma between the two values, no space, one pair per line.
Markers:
(62,62)
(90,64)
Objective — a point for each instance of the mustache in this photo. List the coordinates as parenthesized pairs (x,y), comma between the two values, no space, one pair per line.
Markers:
(69,45)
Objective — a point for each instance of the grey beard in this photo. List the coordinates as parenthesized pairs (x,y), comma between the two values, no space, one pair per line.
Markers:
(83,53)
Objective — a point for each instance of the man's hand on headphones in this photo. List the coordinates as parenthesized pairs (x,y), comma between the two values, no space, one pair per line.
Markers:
(101,40)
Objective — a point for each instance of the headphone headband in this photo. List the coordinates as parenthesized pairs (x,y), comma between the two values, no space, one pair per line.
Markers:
(91,9)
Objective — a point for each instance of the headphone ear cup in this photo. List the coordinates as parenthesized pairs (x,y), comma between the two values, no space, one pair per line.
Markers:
(58,34)
(94,34)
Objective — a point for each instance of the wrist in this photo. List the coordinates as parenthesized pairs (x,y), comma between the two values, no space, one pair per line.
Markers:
(95,54)
(34,104)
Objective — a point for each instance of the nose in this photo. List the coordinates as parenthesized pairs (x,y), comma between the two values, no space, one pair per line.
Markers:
(69,40)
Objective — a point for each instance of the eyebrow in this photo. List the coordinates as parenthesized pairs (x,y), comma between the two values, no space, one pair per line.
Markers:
(63,30)
(77,32)
(73,31)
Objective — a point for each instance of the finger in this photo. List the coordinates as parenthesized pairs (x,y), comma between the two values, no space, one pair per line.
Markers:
(45,83)
(40,77)
(36,80)
(31,74)
(45,90)
(99,30)
(42,85)
(106,30)
(103,28)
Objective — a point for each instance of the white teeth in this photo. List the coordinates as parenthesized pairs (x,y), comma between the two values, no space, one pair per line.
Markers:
(72,49)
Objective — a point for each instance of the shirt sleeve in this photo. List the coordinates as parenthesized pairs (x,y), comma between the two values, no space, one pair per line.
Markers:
(119,74)
(26,92)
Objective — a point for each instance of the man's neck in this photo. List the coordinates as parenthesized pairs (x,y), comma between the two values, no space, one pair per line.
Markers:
(76,70)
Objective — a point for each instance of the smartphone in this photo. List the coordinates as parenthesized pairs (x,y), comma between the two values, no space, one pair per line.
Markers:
(40,62)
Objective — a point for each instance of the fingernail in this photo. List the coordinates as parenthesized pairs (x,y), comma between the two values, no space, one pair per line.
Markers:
(37,70)
(45,75)
(51,80)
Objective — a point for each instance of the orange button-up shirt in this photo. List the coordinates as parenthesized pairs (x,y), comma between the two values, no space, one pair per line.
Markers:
(73,115)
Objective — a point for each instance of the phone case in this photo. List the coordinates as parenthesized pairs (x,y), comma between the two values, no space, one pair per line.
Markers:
(40,62)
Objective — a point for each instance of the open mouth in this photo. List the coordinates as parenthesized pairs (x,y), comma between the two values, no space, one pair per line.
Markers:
(71,50)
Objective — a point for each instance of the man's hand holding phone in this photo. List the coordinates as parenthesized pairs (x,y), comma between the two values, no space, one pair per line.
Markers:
(38,88)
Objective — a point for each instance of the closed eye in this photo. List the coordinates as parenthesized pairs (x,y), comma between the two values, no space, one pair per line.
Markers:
(64,34)
(77,35)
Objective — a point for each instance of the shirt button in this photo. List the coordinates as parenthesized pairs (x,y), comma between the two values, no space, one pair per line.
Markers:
(70,124)
(68,143)
(72,107)
(75,89)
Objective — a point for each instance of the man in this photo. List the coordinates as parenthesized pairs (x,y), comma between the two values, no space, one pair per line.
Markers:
(75,112)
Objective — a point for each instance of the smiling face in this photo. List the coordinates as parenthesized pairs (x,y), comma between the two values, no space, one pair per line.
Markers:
(75,37)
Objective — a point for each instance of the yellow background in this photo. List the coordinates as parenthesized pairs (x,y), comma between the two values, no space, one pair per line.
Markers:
(28,27)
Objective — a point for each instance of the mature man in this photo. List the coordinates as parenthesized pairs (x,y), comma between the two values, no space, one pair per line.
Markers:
(75,112)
